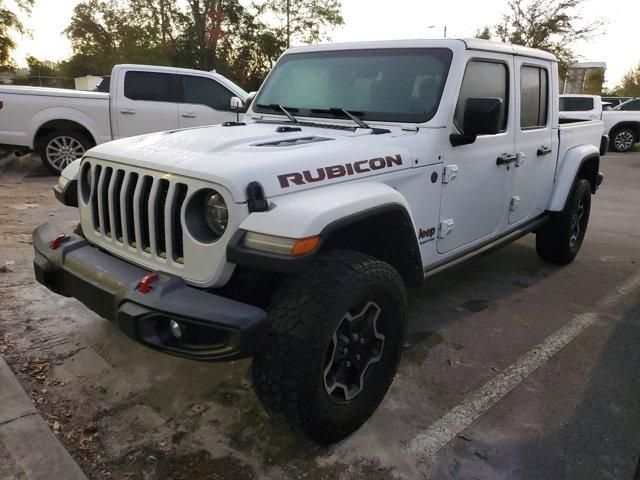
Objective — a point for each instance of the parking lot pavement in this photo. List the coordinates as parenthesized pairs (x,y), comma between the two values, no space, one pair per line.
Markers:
(513,369)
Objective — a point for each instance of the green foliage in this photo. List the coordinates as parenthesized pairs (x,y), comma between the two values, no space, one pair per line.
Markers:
(630,84)
(10,24)
(238,41)
(593,83)
(484,34)
(550,25)
(44,73)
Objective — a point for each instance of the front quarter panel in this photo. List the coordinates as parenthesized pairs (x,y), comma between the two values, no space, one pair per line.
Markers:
(305,214)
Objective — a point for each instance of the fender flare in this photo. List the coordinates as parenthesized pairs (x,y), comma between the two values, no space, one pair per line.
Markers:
(64,114)
(322,211)
(571,164)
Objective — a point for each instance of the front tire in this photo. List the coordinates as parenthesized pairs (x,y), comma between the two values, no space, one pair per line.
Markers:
(334,344)
(623,140)
(559,241)
(61,147)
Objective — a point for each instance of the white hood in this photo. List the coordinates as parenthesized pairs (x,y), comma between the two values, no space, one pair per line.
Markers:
(234,156)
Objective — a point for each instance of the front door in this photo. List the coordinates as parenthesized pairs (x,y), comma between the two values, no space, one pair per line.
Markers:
(146,102)
(475,203)
(534,169)
(204,102)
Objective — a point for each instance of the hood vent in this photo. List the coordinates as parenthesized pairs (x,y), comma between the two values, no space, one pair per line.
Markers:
(290,142)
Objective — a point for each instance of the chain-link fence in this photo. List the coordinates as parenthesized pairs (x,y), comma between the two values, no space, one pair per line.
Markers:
(37,80)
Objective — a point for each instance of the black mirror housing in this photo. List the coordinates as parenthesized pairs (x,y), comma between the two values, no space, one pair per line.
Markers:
(482,116)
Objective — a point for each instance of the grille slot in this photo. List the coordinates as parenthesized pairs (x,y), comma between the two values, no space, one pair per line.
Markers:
(177,247)
(137,211)
(97,169)
(128,224)
(143,213)
(115,191)
(159,218)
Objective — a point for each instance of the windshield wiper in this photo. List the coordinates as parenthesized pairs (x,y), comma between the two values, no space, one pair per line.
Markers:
(355,116)
(279,108)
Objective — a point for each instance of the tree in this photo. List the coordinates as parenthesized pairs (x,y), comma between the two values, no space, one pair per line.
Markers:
(630,84)
(550,25)
(239,41)
(484,34)
(309,20)
(103,33)
(10,24)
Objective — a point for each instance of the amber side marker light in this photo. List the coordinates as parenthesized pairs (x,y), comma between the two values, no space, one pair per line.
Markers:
(294,247)
(305,245)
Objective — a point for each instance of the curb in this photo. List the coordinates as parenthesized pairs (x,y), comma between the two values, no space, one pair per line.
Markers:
(28,448)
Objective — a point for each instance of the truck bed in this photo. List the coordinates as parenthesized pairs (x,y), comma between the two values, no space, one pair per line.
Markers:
(578,133)
(51,92)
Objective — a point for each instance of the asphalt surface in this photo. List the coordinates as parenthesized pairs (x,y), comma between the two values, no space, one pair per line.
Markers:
(571,412)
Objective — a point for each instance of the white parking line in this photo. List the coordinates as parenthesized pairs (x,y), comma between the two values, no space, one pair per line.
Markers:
(456,420)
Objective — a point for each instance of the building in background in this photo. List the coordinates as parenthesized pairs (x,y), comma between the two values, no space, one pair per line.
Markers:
(90,82)
(585,77)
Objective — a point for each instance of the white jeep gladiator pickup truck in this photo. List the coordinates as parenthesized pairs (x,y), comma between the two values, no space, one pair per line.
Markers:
(62,124)
(361,168)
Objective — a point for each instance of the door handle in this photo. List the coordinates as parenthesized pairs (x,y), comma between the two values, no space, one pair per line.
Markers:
(188,115)
(506,158)
(128,111)
(542,151)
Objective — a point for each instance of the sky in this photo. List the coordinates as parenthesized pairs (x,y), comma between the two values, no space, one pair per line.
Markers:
(375,20)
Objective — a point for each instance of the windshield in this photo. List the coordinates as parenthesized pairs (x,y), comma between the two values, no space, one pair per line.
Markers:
(396,85)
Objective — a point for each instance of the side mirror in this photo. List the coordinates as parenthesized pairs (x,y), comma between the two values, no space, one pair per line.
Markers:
(236,104)
(249,100)
(482,116)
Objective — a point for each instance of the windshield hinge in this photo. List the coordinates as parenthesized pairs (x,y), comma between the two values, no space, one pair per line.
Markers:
(445,228)
(450,173)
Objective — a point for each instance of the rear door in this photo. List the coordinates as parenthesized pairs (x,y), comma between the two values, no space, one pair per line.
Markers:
(204,101)
(147,102)
(474,203)
(534,169)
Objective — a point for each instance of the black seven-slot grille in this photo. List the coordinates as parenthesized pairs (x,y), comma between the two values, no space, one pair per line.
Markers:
(137,210)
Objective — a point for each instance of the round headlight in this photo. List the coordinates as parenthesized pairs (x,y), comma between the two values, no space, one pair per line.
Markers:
(216,213)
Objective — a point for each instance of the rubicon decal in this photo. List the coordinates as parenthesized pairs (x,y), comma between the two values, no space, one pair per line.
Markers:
(336,171)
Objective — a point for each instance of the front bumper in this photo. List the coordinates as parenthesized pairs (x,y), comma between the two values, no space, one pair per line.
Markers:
(212,327)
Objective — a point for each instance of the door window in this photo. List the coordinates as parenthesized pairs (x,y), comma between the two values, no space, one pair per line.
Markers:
(576,104)
(205,91)
(151,86)
(483,79)
(534,97)
(631,106)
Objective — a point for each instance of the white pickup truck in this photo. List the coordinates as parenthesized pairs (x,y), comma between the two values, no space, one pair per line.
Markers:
(622,124)
(360,169)
(580,107)
(62,124)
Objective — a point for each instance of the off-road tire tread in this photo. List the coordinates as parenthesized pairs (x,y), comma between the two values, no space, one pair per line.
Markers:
(297,309)
(552,240)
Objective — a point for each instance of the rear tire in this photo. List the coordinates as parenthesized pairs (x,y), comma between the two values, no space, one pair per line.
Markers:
(61,147)
(623,140)
(559,241)
(315,369)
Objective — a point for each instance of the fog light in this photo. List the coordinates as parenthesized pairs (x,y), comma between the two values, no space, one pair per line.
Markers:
(175,328)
